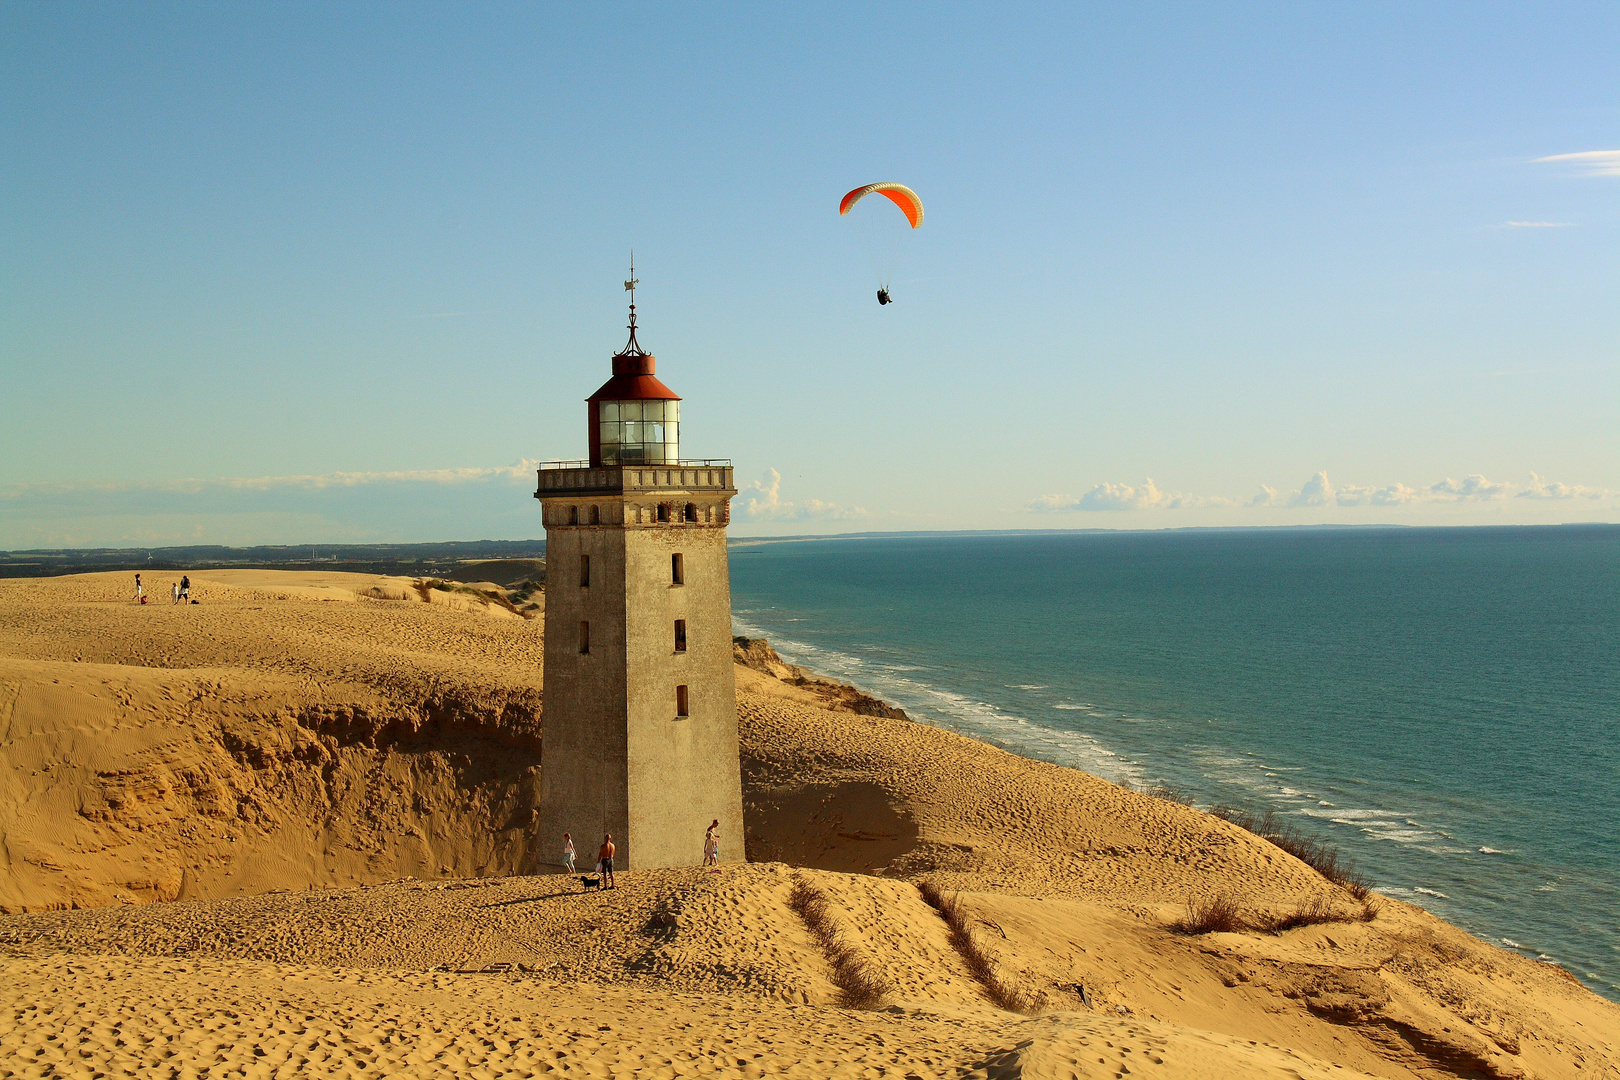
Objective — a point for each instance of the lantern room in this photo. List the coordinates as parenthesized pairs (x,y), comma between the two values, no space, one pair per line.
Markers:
(634,418)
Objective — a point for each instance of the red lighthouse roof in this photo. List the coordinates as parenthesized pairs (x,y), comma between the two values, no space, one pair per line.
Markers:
(633,379)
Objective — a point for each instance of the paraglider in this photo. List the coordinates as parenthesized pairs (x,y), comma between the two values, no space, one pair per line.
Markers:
(899,194)
(909,204)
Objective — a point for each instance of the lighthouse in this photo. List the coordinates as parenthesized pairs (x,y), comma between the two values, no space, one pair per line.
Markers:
(640,733)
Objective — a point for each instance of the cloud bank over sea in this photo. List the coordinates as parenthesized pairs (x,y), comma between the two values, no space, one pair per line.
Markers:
(403,506)
(1318,491)
(495,503)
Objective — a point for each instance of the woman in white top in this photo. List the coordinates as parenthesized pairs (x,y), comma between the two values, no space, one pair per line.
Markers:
(711,844)
(568,853)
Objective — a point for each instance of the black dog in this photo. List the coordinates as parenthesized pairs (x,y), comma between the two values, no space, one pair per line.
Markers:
(591,883)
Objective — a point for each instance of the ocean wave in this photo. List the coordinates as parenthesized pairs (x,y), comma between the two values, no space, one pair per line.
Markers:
(1430,892)
(1491,851)
(1510,943)
(1023,686)
(1070,707)
(1350,817)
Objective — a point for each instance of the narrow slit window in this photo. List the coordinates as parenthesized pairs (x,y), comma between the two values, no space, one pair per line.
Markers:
(596,516)
(573,515)
(677,570)
(680,701)
(584,637)
(680,635)
(584,571)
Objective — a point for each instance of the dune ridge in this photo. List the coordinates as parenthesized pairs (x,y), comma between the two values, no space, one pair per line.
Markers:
(330,782)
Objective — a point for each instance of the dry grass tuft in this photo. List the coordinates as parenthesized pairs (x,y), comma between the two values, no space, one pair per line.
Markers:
(1313,912)
(1171,793)
(1322,857)
(1219,915)
(1003,994)
(859,985)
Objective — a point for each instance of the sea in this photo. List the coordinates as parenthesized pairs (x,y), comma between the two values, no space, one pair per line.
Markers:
(1442,704)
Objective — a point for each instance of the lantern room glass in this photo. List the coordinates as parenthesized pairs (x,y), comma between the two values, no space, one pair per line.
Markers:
(639,432)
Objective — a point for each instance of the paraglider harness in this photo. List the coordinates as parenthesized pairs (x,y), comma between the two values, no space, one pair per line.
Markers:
(883,297)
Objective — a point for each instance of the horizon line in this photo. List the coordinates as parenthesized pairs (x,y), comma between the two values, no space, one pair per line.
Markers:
(1326,526)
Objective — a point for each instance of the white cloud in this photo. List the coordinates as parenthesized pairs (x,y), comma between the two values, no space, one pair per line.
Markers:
(524,469)
(402,505)
(1320,491)
(1143,496)
(1590,162)
(1391,495)
(1473,486)
(762,501)
(1535,224)
(1540,489)
(1317,491)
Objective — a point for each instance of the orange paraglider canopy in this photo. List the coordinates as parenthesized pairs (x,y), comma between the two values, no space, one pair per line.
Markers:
(899,194)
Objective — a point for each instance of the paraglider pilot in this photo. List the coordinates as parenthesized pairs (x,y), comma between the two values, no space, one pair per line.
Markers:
(883,297)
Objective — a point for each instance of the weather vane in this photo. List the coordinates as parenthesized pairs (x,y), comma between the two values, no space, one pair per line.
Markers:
(633,348)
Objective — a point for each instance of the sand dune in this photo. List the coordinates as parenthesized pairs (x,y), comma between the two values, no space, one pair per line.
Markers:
(333,781)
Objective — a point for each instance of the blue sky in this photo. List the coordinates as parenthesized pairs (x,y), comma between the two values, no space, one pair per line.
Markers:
(340,272)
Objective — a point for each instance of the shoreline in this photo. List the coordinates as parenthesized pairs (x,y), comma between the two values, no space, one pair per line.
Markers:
(1423,897)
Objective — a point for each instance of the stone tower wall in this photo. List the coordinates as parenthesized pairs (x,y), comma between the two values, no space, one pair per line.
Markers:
(616,757)
(584,760)
(684,771)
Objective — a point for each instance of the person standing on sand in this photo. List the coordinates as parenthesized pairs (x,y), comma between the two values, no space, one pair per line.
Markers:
(185,588)
(606,854)
(711,845)
(174,592)
(568,853)
(137,588)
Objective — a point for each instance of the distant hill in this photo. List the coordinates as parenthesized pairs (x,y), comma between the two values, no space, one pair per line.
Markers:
(446,560)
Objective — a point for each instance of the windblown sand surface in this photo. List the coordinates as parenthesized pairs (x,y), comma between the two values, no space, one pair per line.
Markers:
(330,781)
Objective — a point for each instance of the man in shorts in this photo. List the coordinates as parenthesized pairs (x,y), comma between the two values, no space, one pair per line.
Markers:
(606,855)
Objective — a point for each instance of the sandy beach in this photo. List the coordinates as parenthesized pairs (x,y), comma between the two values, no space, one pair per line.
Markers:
(289,830)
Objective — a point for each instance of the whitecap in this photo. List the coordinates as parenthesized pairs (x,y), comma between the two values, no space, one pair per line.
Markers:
(1491,851)
(1431,892)
(1066,706)
(1323,802)
(1290,792)
(1510,943)
(1023,686)
(1352,816)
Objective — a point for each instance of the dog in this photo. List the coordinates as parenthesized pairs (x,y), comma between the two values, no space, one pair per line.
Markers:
(590,882)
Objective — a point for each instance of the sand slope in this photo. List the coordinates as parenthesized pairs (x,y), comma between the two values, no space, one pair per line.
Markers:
(336,780)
